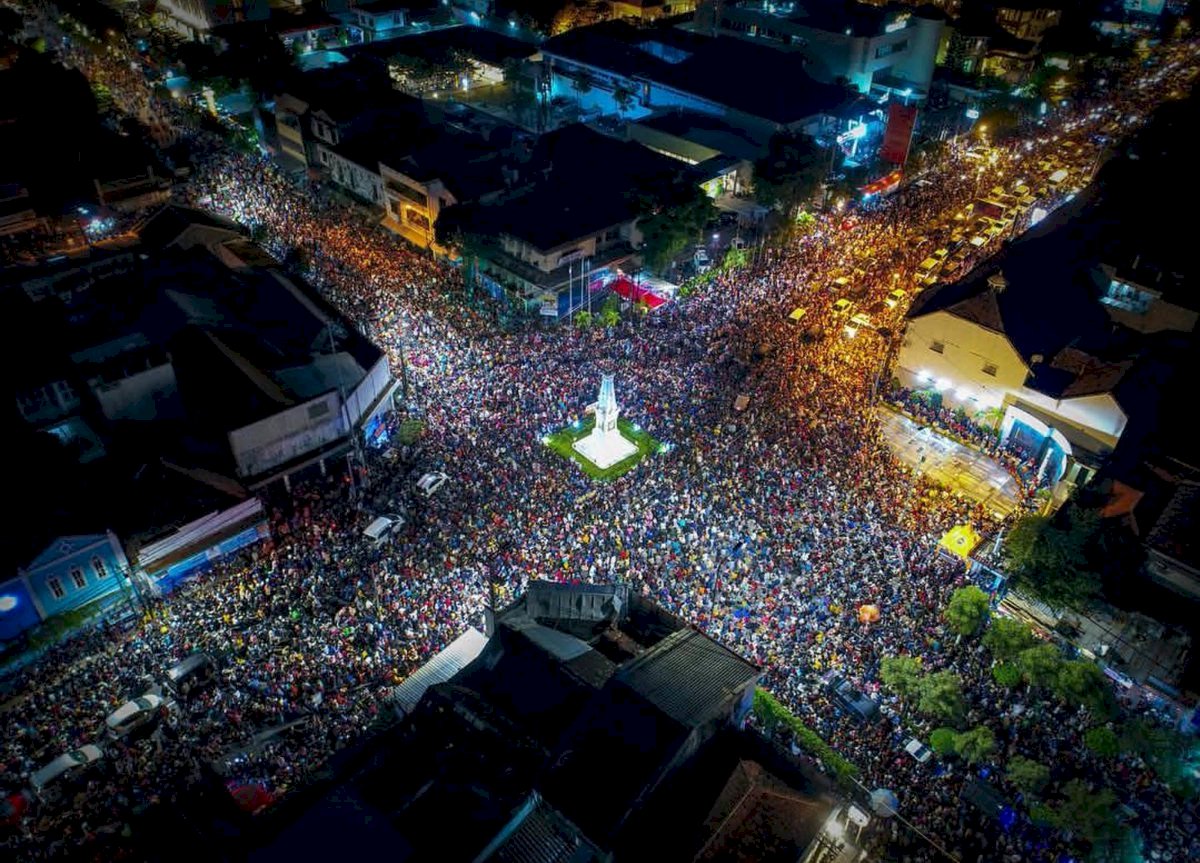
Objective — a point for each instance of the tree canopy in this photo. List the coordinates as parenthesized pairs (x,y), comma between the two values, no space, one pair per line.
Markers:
(672,217)
(941,696)
(975,745)
(968,610)
(902,675)
(1047,556)
(1028,775)
(1006,638)
(790,172)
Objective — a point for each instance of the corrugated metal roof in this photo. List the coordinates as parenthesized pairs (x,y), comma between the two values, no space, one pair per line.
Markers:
(546,600)
(444,665)
(544,837)
(688,676)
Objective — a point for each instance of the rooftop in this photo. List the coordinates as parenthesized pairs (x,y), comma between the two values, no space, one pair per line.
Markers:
(479,43)
(723,70)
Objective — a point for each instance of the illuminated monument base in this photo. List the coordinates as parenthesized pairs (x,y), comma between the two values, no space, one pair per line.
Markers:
(605,445)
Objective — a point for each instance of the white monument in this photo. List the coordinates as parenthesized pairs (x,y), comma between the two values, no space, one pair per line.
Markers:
(605,445)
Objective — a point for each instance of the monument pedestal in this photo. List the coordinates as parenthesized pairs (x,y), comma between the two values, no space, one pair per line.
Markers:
(605,450)
(605,445)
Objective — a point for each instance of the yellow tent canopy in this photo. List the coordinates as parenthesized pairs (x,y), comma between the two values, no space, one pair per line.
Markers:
(961,540)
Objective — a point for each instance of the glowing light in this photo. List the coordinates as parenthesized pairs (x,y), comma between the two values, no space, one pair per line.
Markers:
(7,602)
(962,394)
(546,439)
(972,113)
(943,384)
(926,375)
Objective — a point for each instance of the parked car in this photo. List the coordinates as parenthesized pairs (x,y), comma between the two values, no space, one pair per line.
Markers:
(192,674)
(134,716)
(383,527)
(842,307)
(895,298)
(50,782)
(918,750)
(854,702)
(431,482)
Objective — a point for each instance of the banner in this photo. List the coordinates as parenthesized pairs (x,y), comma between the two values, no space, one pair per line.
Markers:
(898,135)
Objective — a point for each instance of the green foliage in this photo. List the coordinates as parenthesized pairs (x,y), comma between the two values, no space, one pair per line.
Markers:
(902,675)
(1006,674)
(1172,756)
(561,443)
(775,717)
(672,216)
(1028,775)
(968,610)
(940,696)
(789,174)
(1039,665)
(410,431)
(610,311)
(1047,556)
(1006,638)
(584,320)
(1090,814)
(1082,682)
(1103,741)
(975,745)
(942,741)
(623,96)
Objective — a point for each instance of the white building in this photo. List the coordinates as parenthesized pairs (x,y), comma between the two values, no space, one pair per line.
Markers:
(195,18)
(987,345)
(879,50)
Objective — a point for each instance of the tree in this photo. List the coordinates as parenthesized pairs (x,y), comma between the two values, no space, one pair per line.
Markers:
(1028,775)
(902,675)
(1006,674)
(941,740)
(1103,741)
(582,85)
(940,696)
(672,216)
(790,172)
(1006,638)
(1088,813)
(968,610)
(975,745)
(623,96)
(11,24)
(1047,556)
(1039,665)
(1082,682)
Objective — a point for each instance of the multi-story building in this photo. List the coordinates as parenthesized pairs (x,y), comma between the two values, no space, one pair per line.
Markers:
(1028,19)
(877,50)
(616,68)
(197,346)
(195,18)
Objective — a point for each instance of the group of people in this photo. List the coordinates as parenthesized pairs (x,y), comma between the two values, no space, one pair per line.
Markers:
(767,528)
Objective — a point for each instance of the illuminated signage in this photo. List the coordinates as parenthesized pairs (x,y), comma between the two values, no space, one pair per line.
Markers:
(899,24)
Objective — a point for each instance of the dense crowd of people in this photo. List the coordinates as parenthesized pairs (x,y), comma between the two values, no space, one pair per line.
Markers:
(767,528)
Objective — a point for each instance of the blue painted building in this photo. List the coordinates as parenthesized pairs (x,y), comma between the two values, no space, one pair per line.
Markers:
(73,571)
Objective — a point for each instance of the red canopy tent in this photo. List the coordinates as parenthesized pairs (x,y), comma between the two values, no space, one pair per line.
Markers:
(626,289)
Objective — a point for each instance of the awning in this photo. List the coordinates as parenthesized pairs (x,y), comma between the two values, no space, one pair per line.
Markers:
(626,289)
(960,541)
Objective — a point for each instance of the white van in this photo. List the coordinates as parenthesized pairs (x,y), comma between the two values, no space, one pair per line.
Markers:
(47,783)
(918,750)
(381,528)
(431,482)
(133,715)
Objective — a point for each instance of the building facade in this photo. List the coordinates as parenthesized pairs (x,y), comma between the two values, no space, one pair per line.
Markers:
(75,571)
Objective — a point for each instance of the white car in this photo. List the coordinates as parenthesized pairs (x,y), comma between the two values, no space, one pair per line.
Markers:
(918,750)
(45,782)
(431,482)
(133,714)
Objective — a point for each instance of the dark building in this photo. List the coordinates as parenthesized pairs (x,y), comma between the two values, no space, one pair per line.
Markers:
(593,725)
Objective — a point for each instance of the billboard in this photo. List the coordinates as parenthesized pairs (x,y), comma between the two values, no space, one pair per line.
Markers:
(898,134)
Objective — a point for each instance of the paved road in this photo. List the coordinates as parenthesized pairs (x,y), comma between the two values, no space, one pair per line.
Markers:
(950,463)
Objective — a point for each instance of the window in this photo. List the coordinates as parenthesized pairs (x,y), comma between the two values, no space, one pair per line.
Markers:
(78,578)
(99,568)
(1127,297)
(989,369)
(888,50)
(937,347)
(56,588)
